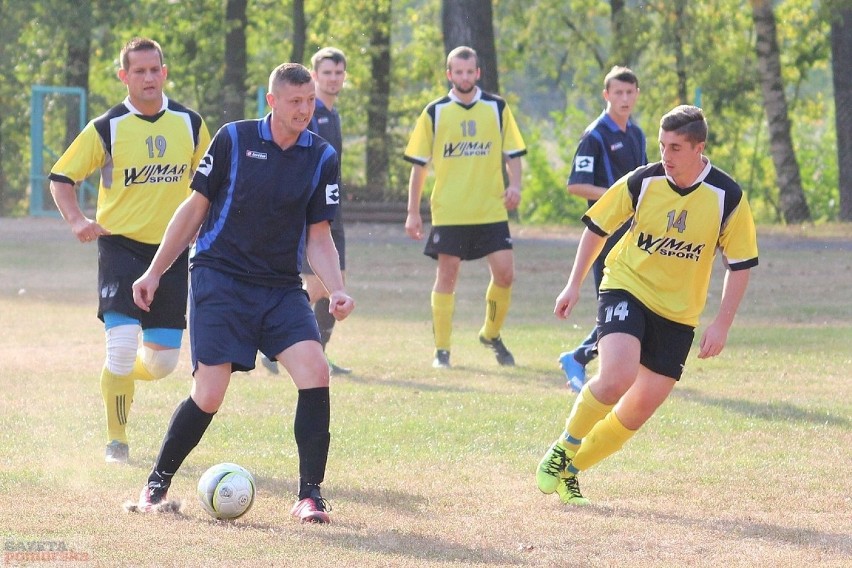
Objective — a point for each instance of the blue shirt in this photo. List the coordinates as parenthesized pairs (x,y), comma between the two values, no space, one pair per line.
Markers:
(606,153)
(326,123)
(261,200)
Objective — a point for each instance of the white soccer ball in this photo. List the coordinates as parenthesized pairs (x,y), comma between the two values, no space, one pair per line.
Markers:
(226,491)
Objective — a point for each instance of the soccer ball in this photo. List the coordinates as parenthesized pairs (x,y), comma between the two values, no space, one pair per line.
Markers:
(226,491)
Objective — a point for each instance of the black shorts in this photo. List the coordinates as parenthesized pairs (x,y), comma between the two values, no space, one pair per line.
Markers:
(468,242)
(231,320)
(339,238)
(665,343)
(120,262)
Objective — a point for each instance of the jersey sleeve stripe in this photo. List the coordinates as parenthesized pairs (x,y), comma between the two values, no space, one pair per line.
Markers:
(593,227)
(735,265)
(416,160)
(206,241)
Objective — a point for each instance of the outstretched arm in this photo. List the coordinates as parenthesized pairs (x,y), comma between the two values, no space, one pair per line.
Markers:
(588,250)
(325,262)
(181,230)
(716,335)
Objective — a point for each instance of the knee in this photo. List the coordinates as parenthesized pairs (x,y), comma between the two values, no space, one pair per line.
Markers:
(504,278)
(316,374)
(608,389)
(158,364)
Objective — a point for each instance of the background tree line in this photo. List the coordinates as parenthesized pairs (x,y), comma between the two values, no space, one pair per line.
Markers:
(774,77)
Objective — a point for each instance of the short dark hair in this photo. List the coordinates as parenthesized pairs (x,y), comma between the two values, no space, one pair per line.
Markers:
(462,52)
(623,74)
(686,120)
(289,74)
(139,44)
(325,53)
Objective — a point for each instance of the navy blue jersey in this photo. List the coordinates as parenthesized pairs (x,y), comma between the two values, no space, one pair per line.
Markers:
(326,123)
(606,153)
(262,199)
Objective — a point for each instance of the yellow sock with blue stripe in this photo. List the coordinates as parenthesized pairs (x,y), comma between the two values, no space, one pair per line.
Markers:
(606,438)
(497,302)
(117,393)
(443,306)
(586,412)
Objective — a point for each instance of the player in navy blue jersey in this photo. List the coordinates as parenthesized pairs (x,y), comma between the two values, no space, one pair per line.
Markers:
(611,147)
(263,198)
(329,72)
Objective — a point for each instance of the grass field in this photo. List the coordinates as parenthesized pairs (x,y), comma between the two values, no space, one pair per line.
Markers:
(747,464)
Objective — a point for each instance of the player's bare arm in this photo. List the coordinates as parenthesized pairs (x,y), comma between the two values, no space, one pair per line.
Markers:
(180,232)
(588,250)
(65,197)
(413,222)
(586,190)
(715,337)
(325,262)
(512,195)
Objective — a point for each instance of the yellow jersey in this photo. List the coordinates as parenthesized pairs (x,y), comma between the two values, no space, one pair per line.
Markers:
(666,257)
(146,164)
(467,145)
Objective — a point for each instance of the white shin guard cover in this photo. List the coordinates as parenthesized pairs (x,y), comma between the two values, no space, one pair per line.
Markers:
(121,344)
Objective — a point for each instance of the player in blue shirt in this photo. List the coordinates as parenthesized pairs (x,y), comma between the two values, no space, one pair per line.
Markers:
(612,146)
(263,198)
(329,73)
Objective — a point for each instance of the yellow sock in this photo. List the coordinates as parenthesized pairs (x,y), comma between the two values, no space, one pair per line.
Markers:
(117,392)
(139,371)
(587,412)
(497,302)
(606,438)
(443,306)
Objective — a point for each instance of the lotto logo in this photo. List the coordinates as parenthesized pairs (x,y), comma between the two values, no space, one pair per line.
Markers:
(584,164)
(332,194)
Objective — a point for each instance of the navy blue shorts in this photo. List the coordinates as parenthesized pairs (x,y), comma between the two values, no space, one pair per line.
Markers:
(665,343)
(231,320)
(468,242)
(120,262)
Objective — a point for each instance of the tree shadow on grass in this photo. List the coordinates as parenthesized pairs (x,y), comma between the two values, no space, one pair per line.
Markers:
(411,384)
(840,543)
(772,411)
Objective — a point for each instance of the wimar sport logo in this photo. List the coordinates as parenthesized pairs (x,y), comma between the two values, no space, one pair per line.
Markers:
(668,246)
(462,149)
(154,173)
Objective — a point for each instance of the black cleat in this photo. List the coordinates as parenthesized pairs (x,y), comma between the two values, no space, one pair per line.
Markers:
(504,357)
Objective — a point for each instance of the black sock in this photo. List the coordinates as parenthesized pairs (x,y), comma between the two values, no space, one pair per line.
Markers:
(313,415)
(187,425)
(325,321)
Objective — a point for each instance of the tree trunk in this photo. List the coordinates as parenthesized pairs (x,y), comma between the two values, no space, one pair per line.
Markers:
(77,63)
(679,30)
(234,87)
(471,23)
(841,67)
(300,31)
(377,161)
(794,208)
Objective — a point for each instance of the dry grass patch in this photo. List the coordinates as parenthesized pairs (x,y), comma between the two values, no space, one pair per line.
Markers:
(746,465)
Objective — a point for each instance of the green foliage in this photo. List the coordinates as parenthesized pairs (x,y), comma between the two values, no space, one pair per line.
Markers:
(548,162)
(551,65)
